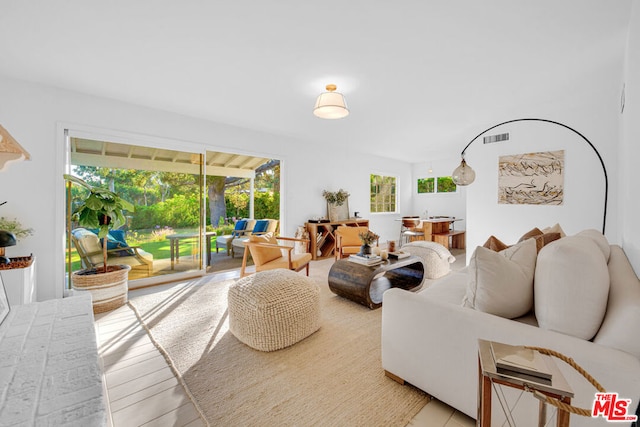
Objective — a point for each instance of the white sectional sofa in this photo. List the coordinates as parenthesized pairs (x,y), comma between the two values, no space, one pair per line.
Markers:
(430,340)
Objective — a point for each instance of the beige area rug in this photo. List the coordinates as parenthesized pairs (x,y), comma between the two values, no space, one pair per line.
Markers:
(332,378)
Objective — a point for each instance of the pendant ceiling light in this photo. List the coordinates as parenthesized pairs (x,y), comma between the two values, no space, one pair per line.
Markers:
(463,174)
(331,104)
(10,150)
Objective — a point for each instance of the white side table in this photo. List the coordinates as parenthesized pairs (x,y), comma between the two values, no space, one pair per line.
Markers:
(20,284)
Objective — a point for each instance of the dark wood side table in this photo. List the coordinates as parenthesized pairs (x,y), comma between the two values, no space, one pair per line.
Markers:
(488,375)
(365,285)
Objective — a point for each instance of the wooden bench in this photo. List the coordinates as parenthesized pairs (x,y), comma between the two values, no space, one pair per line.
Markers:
(457,239)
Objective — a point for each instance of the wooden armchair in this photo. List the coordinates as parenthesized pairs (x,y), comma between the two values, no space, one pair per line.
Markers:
(261,226)
(348,241)
(268,254)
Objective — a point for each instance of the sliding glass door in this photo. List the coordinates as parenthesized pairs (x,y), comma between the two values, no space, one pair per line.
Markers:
(184,200)
(164,234)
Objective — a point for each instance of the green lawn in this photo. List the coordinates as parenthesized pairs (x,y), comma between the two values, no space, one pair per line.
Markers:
(159,249)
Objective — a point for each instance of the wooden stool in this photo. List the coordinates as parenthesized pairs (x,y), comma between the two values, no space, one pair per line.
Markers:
(457,239)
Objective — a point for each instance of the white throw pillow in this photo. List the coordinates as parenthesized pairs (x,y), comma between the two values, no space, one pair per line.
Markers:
(600,240)
(501,283)
(571,287)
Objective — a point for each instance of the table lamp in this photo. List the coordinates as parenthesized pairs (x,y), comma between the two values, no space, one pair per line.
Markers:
(6,239)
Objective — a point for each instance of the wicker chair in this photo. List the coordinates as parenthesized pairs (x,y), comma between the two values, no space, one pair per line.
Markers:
(90,251)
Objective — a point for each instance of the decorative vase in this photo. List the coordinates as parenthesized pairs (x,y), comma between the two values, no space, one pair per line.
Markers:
(365,250)
(337,212)
(333,212)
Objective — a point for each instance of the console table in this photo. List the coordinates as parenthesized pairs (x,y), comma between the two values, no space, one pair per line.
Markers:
(322,235)
(366,284)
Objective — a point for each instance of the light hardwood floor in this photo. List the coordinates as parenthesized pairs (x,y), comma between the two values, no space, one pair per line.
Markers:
(142,389)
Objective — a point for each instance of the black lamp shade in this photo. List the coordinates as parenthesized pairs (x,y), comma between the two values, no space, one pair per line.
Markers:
(7,239)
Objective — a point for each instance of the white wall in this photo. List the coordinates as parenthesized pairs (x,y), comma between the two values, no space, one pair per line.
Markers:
(591,109)
(34,189)
(583,204)
(629,215)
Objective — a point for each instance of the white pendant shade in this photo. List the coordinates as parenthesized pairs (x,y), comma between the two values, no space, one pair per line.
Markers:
(331,104)
(463,174)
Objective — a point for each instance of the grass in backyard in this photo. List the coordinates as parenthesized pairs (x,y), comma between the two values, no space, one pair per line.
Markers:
(159,249)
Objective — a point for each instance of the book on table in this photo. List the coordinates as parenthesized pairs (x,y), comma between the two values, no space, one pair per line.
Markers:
(399,254)
(519,361)
(365,259)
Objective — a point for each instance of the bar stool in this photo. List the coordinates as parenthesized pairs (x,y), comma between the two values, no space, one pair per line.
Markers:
(408,230)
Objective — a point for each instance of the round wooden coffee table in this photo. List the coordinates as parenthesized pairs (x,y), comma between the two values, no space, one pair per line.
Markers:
(365,285)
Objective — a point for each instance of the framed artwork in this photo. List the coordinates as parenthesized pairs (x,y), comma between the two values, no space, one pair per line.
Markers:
(4,302)
(531,178)
(338,212)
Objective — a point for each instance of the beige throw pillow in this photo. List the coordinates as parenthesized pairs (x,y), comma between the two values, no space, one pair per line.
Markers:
(529,234)
(542,239)
(571,287)
(599,240)
(554,229)
(501,283)
(261,254)
(495,244)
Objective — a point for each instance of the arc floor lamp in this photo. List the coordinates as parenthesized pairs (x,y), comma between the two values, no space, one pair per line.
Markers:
(464,175)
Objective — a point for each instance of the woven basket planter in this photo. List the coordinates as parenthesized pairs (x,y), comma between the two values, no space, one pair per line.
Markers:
(108,290)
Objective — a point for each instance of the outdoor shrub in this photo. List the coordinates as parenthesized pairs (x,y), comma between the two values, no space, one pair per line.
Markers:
(159,234)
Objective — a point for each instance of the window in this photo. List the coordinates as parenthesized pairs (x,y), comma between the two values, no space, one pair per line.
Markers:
(383,193)
(426,185)
(441,184)
(446,185)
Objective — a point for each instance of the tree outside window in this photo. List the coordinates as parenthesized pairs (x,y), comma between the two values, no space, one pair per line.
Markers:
(446,185)
(383,193)
(426,185)
(441,184)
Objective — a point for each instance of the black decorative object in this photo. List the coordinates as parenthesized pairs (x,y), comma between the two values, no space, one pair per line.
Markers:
(6,239)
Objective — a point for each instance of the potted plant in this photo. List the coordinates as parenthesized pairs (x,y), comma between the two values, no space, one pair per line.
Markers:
(102,210)
(10,232)
(367,238)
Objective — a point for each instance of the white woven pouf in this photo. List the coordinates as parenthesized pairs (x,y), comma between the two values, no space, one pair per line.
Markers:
(436,258)
(273,309)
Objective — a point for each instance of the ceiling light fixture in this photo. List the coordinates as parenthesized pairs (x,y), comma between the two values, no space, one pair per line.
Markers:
(331,104)
(10,150)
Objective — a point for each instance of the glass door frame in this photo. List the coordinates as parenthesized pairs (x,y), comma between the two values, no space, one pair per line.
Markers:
(75,131)
(65,130)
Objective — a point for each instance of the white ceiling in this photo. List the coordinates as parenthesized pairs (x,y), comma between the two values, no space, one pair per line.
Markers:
(416,74)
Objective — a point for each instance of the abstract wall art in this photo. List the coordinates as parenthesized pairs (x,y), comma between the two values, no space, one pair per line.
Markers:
(531,178)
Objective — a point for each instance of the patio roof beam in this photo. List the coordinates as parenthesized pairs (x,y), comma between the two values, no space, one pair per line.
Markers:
(157,165)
